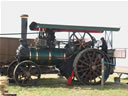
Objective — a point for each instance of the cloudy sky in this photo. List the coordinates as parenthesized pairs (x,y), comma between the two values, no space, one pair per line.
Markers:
(85,13)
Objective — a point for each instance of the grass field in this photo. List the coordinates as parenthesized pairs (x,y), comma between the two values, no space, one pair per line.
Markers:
(51,85)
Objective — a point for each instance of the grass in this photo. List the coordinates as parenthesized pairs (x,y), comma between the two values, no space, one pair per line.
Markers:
(51,85)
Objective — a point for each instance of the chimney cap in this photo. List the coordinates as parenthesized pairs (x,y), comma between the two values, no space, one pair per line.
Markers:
(24,16)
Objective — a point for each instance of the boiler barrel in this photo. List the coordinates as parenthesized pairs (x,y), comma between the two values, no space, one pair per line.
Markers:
(47,56)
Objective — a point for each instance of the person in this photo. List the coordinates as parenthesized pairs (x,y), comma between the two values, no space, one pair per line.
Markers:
(104,46)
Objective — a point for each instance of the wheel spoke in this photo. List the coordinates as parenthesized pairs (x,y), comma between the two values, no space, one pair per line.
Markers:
(99,71)
(76,37)
(98,61)
(85,58)
(83,70)
(84,62)
(30,68)
(83,36)
(93,55)
(22,69)
(95,60)
(83,45)
(87,75)
(96,74)
(81,66)
(84,74)
(89,58)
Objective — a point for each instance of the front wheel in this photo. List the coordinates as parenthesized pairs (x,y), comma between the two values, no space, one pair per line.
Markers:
(27,73)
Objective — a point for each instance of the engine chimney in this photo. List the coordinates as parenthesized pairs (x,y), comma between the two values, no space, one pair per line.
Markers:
(24,30)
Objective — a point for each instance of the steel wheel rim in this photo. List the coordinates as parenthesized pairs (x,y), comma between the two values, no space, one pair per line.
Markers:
(11,68)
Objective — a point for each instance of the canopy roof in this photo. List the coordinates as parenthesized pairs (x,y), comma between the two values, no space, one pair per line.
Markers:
(71,28)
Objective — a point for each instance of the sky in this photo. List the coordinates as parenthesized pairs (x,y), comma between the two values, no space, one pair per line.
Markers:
(85,13)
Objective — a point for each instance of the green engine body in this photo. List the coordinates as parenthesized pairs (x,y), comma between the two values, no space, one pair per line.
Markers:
(47,56)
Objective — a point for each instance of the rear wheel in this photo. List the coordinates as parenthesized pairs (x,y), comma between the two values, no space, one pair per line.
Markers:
(87,66)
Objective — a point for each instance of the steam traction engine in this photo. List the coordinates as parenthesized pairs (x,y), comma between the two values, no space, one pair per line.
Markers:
(78,55)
